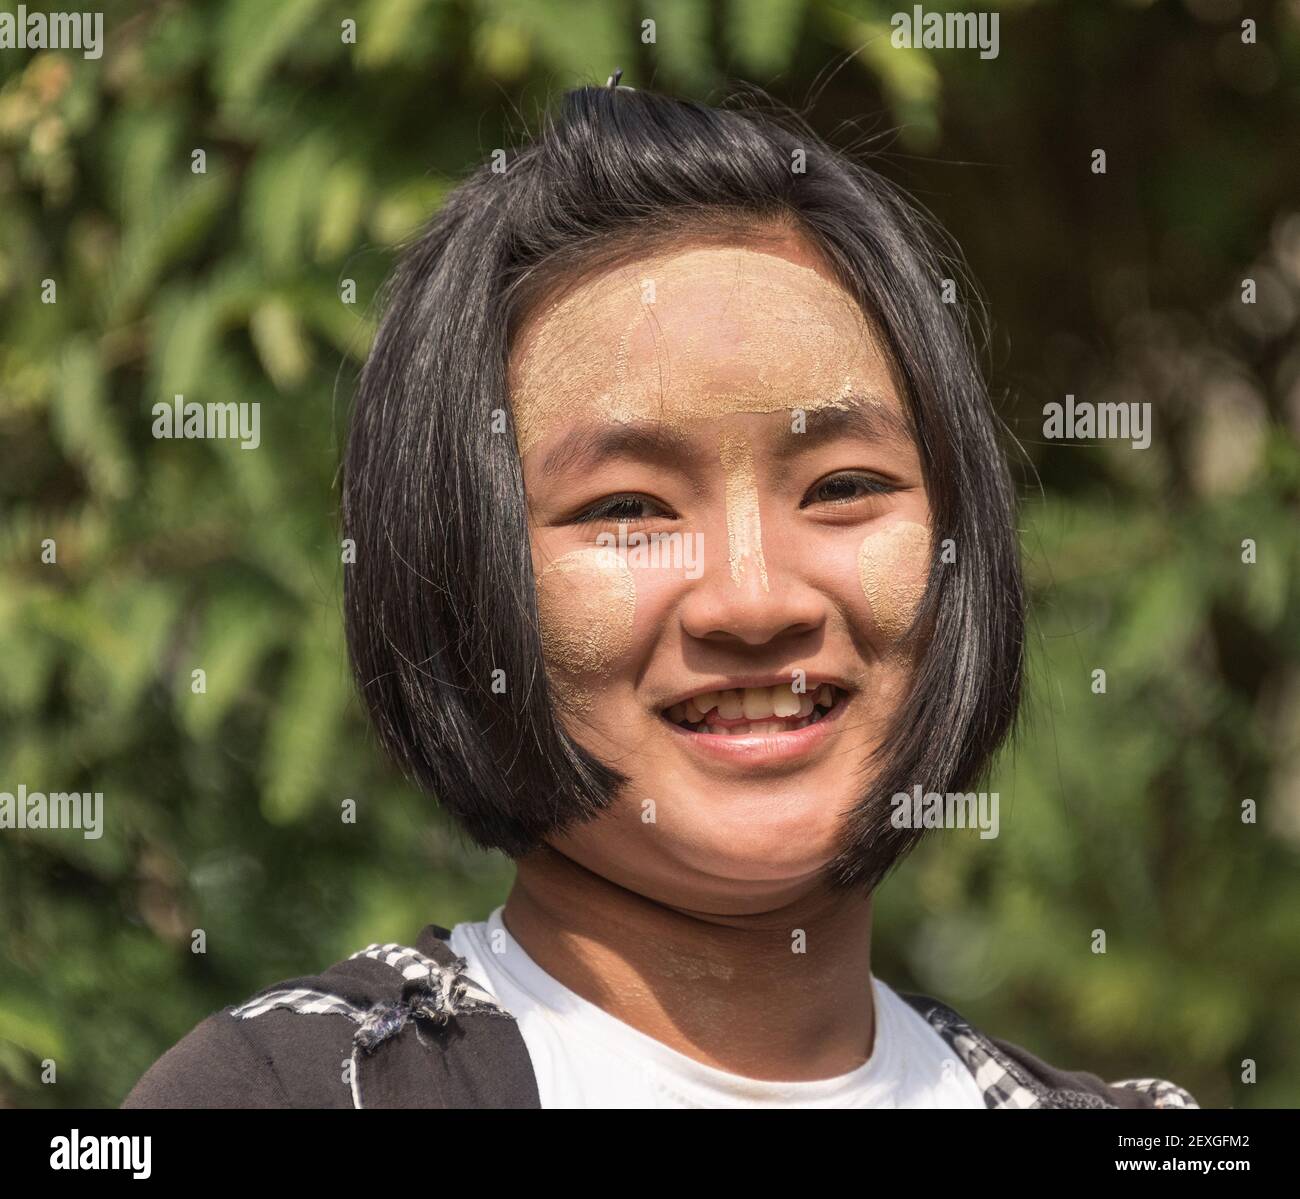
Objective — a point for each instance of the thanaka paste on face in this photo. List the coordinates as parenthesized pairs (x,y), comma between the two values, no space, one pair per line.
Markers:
(894,567)
(744,529)
(586,603)
(664,363)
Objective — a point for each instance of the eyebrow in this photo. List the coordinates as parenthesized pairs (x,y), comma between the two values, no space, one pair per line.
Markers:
(869,418)
(646,440)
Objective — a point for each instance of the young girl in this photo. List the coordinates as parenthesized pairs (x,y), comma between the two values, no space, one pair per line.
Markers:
(685,545)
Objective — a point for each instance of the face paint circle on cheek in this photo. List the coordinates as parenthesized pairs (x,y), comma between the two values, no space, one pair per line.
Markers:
(893,568)
(586,602)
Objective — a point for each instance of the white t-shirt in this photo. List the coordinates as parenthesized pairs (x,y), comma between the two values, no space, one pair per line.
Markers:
(584,1057)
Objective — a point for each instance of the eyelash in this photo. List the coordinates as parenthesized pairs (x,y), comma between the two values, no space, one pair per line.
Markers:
(607,510)
(870,485)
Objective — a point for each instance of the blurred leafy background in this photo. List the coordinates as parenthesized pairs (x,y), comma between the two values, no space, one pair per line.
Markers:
(1120,811)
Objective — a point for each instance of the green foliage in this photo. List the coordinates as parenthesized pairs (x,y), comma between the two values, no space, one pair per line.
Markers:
(1121,811)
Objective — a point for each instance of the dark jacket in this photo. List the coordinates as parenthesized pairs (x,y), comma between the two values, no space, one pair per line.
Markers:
(394,1026)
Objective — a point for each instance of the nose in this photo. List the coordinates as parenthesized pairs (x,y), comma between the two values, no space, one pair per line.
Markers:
(737,602)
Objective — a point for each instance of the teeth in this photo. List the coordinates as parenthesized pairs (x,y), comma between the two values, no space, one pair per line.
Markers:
(730,706)
(757,728)
(784,702)
(763,707)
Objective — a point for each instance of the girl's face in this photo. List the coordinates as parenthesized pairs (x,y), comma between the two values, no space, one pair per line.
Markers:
(730,534)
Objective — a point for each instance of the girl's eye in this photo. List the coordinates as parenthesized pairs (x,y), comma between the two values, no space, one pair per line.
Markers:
(845,488)
(620,509)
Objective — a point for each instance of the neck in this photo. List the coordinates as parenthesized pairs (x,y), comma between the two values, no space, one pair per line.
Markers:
(730,991)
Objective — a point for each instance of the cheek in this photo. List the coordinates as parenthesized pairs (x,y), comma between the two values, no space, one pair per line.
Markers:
(586,604)
(893,568)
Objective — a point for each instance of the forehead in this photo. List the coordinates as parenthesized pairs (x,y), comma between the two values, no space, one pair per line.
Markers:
(694,334)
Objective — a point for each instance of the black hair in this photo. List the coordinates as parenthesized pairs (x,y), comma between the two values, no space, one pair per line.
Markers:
(441,594)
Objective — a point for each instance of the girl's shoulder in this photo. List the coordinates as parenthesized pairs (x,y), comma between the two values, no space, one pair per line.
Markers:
(401,1026)
(1012,1077)
(389,1026)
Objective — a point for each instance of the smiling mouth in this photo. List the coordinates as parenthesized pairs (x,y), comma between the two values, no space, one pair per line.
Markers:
(754,711)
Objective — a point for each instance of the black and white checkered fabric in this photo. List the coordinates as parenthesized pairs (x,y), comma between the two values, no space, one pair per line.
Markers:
(301,1000)
(1006,1084)
(1163,1092)
(461,994)
(429,990)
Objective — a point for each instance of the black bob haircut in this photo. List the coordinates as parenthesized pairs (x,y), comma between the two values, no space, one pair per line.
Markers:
(441,594)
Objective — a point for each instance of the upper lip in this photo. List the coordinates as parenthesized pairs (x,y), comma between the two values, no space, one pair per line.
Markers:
(813,681)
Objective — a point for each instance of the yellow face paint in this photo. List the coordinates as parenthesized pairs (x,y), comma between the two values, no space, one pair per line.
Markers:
(894,567)
(744,529)
(586,603)
(714,341)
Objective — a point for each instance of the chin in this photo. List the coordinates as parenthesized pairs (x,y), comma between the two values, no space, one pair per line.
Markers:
(751,832)
(727,829)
